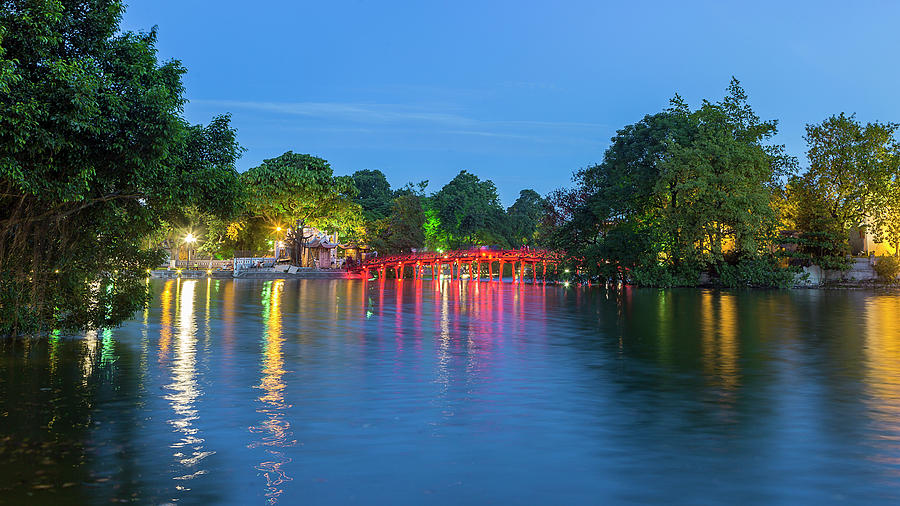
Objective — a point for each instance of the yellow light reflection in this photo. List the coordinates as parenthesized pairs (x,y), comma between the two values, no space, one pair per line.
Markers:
(274,429)
(165,320)
(719,333)
(882,378)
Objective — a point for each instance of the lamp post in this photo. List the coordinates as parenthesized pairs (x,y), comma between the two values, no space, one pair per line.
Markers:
(276,242)
(189,240)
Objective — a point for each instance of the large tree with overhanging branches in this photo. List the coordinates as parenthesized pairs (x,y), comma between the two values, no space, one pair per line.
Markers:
(94,155)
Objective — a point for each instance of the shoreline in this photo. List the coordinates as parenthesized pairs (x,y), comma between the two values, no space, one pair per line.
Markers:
(337,275)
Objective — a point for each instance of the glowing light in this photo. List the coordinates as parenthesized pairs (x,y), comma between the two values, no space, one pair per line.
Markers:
(208,272)
(56,271)
(566,271)
(566,284)
(278,229)
(190,238)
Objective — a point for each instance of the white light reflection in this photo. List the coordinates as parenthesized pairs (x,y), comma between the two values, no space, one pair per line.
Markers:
(444,355)
(189,450)
(89,355)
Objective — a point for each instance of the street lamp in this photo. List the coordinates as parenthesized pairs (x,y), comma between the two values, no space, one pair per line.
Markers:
(277,242)
(190,240)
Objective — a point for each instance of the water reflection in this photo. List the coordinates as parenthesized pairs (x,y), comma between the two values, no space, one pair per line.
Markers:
(165,320)
(89,356)
(275,430)
(184,391)
(719,328)
(460,392)
(882,379)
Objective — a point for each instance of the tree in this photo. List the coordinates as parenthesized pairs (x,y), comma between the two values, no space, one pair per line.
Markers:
(374,193)
(403,230)
(417,189)
(852,166)
(297,191)
(885,218)
(819,236)
(94,155)
(524,216)
(561,207)
(469,211)
(678,190)
(722,172)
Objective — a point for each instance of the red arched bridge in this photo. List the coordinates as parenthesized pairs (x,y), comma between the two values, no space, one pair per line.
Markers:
(471,263)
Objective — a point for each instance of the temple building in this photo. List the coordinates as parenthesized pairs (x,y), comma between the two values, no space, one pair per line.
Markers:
(864,240)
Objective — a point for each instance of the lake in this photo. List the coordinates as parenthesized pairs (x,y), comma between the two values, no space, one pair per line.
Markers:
(462,392)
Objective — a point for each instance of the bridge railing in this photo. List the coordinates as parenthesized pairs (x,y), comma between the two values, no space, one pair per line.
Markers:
(251,262)
(455,255)
(202,264)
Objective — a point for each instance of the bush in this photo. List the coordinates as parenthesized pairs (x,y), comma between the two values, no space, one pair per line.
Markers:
(763,272)
(888,268)
(821,249)
(665,276)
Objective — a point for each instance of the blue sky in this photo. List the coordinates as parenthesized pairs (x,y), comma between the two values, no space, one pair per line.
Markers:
(522,93)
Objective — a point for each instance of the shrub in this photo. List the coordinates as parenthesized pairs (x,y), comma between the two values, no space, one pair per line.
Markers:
(763,272)
(888,268)
(665,276)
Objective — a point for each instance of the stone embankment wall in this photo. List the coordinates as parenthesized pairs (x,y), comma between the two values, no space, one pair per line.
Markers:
(862,272)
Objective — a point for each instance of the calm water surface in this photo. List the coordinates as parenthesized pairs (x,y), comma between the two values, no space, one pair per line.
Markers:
(348,392)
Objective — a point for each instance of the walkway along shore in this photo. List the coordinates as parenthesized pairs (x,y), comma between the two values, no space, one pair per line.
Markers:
(248,274)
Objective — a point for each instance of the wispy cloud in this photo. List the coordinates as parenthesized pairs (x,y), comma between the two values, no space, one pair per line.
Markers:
(399,114)
(362,113)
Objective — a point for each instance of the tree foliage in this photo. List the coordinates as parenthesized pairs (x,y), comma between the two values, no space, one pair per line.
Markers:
(852,166)
(403,230)
(819,237)
(885,217)
(469,211)
(523,218)
(297,191)
(94,154)
(681,192)
(374,193)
